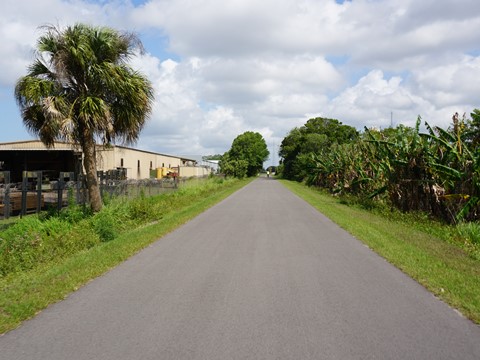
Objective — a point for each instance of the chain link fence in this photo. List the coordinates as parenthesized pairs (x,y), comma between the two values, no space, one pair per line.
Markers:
(33,194)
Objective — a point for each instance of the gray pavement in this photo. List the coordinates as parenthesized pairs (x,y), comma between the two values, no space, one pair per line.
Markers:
(262,275)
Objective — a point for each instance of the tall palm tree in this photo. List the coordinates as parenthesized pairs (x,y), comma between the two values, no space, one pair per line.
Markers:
(80,89)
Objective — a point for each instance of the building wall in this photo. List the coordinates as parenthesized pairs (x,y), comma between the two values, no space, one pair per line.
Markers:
(137,162)
(197,171)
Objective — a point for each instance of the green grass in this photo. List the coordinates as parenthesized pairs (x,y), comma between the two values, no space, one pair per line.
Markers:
(6,223)
(427,251)
(24,293)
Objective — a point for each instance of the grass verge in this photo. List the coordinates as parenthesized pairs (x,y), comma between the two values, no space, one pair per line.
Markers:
(25,293)
(417,248)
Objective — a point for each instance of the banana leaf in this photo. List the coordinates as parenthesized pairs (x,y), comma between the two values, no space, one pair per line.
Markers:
(474,201)
(379,191)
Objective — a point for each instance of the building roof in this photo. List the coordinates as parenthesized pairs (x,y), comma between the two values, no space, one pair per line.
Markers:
(36,145)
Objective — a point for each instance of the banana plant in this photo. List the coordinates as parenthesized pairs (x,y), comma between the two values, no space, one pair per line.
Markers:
(437,171)
(456,167)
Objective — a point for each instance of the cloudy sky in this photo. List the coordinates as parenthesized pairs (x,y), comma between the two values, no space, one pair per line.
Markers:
(223,67)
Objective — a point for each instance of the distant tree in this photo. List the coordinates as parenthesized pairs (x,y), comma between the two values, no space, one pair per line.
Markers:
(315,135)
(233,167)
(290,148)
(212,157)
(333,129)
(248,149)
(80,89)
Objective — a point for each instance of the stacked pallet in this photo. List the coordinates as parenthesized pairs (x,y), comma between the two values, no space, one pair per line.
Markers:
(16,202)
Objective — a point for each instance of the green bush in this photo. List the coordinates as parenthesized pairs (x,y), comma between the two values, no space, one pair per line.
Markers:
(145,209)
(75,213)
(18,245)
(470,232)
(32,241)
(80,237)
(105,225)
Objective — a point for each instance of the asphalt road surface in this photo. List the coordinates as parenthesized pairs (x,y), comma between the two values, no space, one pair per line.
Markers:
(262,275)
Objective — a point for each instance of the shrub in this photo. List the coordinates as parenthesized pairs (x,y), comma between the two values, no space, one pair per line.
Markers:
(32,241)
(142,209)
(18,245)
(105,225)
(469,232)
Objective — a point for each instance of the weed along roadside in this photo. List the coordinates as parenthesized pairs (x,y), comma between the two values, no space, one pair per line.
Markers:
(427,251)
(44,258)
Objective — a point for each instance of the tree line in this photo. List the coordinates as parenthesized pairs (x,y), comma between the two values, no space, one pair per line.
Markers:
(436,170)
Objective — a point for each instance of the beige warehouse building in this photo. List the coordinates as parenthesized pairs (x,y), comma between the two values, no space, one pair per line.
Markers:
(33,155)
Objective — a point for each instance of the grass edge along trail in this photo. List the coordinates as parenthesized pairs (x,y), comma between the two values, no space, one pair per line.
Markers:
(441,267)
(24,294)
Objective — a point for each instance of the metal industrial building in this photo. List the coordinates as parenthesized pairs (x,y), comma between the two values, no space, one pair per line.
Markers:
(33,155)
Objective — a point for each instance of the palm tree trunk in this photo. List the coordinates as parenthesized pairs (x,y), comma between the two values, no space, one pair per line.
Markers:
(93,188)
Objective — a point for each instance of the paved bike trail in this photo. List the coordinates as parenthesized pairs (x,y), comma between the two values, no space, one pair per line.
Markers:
(261,275)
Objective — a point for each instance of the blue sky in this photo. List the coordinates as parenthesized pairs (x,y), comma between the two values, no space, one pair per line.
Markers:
(221,68)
